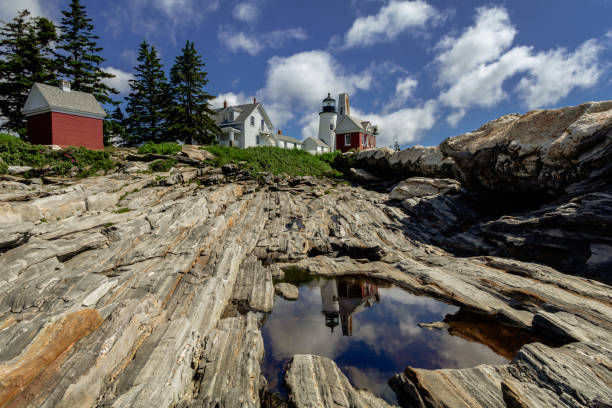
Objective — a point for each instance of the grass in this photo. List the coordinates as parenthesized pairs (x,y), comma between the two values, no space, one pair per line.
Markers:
(162,165)
(160,148)
(17,152)
(275,160)
(122,210)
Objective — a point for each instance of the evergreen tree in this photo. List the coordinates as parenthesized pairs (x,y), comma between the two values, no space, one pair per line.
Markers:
(148,98)
(25,58)
(114,129)
(189,115)
(80,60)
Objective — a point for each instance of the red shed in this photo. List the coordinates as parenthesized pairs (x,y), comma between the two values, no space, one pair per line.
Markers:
(59,116)
(352,133)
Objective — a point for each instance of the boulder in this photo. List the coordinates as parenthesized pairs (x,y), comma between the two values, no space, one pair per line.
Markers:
(18,169)
(286,290)
(422,187)
(363,176)
(194,152)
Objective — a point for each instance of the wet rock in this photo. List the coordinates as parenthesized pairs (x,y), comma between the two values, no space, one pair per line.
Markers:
(286,290)
(422,187)
(434,326)
(315,381)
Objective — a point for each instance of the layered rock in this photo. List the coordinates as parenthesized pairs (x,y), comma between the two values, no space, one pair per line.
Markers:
(142,290)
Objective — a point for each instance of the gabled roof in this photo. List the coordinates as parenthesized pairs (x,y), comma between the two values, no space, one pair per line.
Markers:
(316,141)
(288,139)
(349,124)
(244,112)
(46,98)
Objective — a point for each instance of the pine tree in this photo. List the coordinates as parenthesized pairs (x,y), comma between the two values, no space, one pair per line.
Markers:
(80,61)
(189,115)
(25,57)
(148,98)
(114,129)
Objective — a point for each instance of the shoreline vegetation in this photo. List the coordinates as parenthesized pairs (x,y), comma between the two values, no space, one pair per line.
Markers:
(81,162)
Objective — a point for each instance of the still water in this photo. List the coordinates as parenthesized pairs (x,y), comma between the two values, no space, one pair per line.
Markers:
(370,329)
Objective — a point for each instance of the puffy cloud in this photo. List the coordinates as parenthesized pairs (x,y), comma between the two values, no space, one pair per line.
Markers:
(481,43)
(553,74)
(38,8)
(404,126)
(391,20)
(475,65)
(231,98)
(404,88)
(246,12)
(254,43)
(302,80)
(119,81)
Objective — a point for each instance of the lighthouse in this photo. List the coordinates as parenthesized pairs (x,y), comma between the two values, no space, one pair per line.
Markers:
(327,122)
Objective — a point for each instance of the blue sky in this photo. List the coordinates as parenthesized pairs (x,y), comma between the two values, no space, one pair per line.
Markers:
(422,70)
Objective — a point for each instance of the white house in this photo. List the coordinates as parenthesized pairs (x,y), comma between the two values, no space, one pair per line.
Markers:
(287,142)
(244,126)
(315,146)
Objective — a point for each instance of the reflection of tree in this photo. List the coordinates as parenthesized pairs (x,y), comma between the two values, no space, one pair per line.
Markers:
(345,297)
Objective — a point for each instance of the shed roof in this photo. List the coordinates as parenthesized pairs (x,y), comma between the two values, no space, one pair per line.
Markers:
(289,139)
(45,98)
(316,141)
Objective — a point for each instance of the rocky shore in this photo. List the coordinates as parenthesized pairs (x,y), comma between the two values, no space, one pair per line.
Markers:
(133,289)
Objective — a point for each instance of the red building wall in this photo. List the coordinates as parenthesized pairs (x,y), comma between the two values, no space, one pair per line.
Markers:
(65,130)
(356,141)
(72,130)
(39,129)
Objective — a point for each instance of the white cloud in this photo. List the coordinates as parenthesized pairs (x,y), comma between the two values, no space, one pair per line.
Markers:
(481,43)
(38,8)
(404,126)
(391,20)
(120,81)
(404,88)
(231,98)
(475,65)
(553,74)
(246,12)
(301,81)
(254,43)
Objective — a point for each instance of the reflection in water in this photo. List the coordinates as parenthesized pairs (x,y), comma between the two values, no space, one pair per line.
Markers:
(378,335)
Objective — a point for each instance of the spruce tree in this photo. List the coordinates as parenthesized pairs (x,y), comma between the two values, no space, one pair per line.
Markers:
(148,98)
(114,129)
(25,58)
(80,59)
(189,115)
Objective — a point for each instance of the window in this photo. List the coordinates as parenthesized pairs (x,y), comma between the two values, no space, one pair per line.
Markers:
(347,140)
(257,139)
(252,120)
(331,126)
(262,125)
(341,111)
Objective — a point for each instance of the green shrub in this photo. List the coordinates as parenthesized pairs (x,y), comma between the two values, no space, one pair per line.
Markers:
(162,165)
(159,148)
(17,152)
(273,160)
(122,210)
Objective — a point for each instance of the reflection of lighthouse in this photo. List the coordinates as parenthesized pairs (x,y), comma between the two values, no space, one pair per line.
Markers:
(354,296)
(329,299)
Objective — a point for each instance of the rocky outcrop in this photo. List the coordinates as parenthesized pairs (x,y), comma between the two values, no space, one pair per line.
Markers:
(287,290)
(315,381)
(542,152)
(140,290)
(416,187)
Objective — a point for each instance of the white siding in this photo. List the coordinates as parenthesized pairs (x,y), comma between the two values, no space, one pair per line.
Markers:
(250,132)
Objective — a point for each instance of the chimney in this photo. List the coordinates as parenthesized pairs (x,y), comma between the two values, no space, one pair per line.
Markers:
(65,85)
(254,100)
(280,132)
(225,103)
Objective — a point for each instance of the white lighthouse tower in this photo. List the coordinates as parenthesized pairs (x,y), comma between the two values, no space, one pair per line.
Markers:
(327,122)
